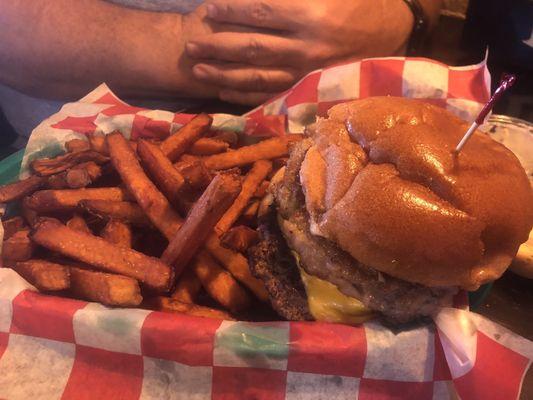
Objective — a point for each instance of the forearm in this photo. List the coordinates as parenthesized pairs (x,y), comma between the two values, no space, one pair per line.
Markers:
(399,22)
(62,49)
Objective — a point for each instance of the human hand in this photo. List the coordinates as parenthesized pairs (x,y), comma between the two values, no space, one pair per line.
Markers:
(290,39)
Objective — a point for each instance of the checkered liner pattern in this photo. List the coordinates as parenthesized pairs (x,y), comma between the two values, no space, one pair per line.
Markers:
(52,347)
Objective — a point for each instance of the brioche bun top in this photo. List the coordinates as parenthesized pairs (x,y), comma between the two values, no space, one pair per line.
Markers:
(382,182)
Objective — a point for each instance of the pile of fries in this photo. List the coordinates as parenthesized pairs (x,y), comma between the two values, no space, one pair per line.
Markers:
(161,224)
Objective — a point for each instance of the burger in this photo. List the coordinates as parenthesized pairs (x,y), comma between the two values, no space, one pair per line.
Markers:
(375,215)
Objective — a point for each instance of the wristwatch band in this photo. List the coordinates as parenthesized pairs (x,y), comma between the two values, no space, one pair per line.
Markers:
(420,27)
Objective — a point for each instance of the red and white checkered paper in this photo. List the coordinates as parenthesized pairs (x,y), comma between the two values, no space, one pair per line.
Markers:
(53,347)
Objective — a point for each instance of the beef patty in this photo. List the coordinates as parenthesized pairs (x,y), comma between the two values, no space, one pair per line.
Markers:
(397,300)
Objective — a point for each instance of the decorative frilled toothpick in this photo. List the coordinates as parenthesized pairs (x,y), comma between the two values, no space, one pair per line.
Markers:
(506,82)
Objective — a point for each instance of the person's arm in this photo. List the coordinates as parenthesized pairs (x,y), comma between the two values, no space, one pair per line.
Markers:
(292,38)
(62,49)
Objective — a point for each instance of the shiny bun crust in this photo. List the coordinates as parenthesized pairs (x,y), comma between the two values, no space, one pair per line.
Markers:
(381,182)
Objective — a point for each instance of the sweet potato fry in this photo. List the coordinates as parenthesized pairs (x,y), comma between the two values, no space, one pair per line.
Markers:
(237,264)
(78,223)
(249,215)
(202,218)
(158,209)
(77,177)
(207,147)
(17,190)
(28,213)
(98,143)
(196,175)
(101,254)
(108,289)
(63,200)
(178,143)
(252,181)
(44,275)
(187,287)
(57,181)
(190,158)
(229,137)
(134,145)
(18,247)
(118,233)
(239,238)
(166,304)
(267,149)
(51,166)
(220,285)
(75,145)
(262,189)
(12,226)
(124,211)
(166,177)
(149,198)
(83,174)
(94,170)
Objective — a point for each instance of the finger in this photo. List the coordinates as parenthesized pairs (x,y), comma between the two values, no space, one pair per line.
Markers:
(248,78)
(246,98)
(255,49)
(273,14)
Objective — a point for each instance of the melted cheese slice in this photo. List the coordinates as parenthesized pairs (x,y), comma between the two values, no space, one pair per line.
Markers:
(327,303)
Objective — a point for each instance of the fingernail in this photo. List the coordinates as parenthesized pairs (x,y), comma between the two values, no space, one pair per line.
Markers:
(192,49)
(200,71)
(212,11)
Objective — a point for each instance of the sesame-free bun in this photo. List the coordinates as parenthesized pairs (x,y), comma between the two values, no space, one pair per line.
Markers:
(382,182)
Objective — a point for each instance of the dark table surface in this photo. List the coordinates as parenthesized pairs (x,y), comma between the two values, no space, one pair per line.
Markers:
(510,303)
